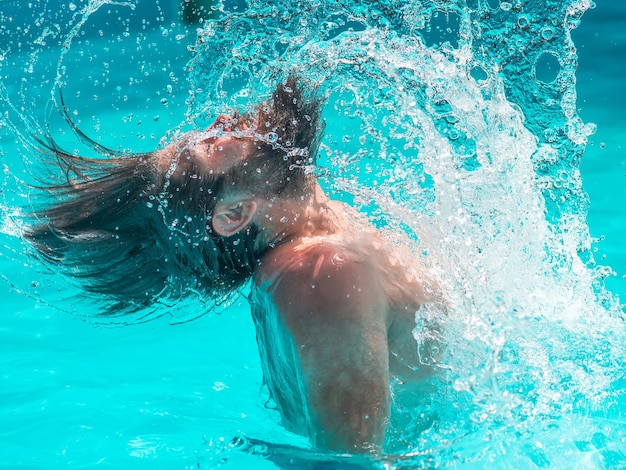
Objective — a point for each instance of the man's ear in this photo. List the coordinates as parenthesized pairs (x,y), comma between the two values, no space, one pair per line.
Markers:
(233,216)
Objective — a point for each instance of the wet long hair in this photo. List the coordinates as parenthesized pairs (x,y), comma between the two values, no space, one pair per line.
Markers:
(135,231)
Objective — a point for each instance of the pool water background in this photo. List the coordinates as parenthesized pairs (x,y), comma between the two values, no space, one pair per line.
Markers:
(601,43)
(78,394)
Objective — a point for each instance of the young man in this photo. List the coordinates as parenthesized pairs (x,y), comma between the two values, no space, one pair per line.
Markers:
(334,306)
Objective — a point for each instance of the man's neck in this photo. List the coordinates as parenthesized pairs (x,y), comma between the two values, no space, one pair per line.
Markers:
(287,220)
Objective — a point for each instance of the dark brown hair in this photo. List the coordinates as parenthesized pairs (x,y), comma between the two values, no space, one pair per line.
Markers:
(136,232)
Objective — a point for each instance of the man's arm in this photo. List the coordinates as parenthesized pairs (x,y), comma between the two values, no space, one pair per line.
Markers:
(335,311)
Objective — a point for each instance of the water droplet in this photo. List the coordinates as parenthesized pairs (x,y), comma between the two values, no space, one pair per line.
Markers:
(523,21)
(338,259)
(547,33)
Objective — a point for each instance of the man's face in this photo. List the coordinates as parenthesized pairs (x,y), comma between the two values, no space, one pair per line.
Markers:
(212,151)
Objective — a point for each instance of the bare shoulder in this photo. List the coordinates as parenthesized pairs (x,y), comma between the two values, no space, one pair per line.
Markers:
(318,273)
(311,258)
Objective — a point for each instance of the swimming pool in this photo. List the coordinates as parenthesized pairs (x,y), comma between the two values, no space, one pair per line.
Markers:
(531,376)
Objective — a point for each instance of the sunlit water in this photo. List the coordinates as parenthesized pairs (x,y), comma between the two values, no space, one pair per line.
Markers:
(455,124)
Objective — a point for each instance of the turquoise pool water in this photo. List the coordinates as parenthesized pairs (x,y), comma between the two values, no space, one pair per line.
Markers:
(532,375)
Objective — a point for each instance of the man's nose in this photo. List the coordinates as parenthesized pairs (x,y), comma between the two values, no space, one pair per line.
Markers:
(223,121)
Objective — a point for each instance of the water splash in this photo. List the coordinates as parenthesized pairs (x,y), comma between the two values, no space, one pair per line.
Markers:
(467,139)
